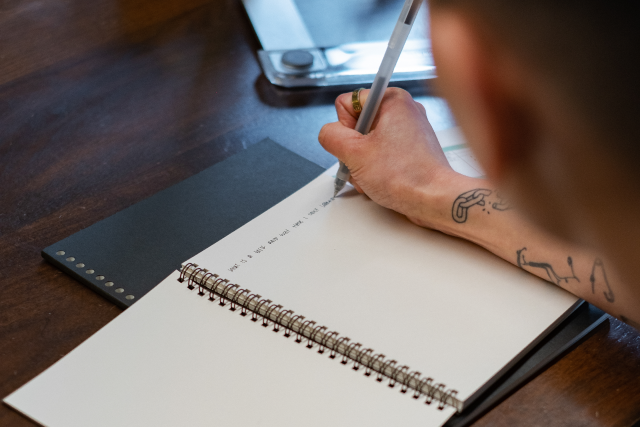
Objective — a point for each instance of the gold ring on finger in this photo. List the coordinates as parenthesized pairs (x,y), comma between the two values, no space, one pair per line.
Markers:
(355,100)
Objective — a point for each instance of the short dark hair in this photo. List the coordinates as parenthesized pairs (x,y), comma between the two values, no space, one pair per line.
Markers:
(589,51)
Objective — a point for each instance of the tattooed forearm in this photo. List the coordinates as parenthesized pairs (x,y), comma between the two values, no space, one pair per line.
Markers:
(553,276)
(501,204)
(476,197)
(461,205)
(598,275)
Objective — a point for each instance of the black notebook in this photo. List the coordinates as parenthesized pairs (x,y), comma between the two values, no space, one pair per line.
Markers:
(191,342)
(124,256)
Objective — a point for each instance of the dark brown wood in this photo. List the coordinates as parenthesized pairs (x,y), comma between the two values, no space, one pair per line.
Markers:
(597,384)
(104,103)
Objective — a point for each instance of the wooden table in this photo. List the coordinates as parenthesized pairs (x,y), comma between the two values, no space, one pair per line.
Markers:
(103,103)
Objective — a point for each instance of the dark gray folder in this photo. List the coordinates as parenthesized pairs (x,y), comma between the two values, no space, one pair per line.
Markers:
(124,256)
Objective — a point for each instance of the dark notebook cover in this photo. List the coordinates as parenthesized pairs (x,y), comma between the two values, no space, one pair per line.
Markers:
(137,248)
(124,256)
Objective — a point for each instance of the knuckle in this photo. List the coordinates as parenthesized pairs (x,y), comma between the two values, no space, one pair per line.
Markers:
(396,98)
(398,93)
(341,99)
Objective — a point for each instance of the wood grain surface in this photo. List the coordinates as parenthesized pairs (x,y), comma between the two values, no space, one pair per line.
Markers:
(104,103)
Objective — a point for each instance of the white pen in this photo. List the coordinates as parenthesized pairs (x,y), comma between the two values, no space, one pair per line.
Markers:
(380,83)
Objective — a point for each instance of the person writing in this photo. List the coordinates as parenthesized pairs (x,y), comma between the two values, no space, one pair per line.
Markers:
(545,93)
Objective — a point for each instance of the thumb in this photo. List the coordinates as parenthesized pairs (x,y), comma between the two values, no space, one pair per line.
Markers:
(344,107)
(339,140)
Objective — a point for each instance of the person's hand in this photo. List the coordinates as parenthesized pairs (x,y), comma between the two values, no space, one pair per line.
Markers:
(400,163)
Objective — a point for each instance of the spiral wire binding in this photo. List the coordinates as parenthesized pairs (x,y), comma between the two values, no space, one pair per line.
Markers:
(317,335)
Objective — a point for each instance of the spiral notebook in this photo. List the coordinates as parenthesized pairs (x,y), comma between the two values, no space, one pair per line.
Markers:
(320,311)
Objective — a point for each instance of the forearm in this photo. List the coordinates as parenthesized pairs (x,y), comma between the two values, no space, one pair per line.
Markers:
(400,165)
(471,209)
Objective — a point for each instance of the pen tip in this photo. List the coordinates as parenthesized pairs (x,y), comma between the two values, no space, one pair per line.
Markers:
(338,185)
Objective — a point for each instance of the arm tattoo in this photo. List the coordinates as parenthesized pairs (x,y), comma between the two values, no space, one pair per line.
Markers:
(553,276)
(476,197)
(501,204)
(598,270)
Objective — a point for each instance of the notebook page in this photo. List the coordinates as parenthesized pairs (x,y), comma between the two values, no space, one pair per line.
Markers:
(177,359)
(440,305)
(459,155)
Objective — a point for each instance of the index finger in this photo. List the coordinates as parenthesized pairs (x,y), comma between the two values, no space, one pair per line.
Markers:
(344,107)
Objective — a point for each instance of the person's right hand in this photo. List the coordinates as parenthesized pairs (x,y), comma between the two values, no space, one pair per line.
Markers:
(400,163)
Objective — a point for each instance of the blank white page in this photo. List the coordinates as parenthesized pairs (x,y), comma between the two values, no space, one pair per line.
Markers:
(440,305)
(177,359)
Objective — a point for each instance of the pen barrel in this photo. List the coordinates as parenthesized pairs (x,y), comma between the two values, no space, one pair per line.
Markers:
(343,173)
(389,61)
(381,81)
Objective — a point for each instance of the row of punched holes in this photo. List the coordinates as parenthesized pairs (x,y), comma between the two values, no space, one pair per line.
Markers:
(99,277)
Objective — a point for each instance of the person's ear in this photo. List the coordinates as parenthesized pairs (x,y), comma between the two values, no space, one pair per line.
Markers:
(484,90)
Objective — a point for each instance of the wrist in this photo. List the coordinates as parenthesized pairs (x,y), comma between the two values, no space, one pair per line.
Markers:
(437,198)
